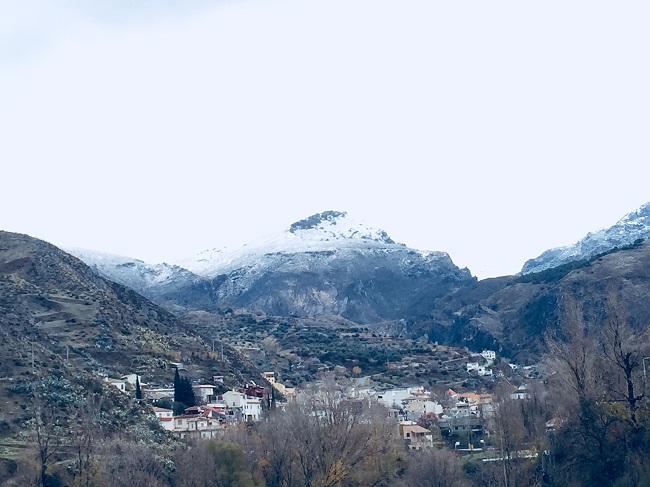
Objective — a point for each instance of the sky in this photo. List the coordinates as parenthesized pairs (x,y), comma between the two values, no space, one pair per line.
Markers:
(490,130)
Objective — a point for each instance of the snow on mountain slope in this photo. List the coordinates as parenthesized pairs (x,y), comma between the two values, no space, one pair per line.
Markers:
(134,273)
(327,231)
(326,264)
(632,227)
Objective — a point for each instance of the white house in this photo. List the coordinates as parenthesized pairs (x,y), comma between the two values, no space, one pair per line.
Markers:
(520,393)
(489,355)
(165,417)
(196,426)
(472,366)
(204,393)
(250,407)
(481,370)
(252,410)
(420,407)
(397,397)
(484,371)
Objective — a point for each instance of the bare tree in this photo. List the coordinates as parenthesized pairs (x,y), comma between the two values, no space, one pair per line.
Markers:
(335,437)
(213,464)
(85,433)
(125,463)
(49,430)
(597,383)
(275,444)
(623,348)
(510,433)
(573,352)
(325,440)
(434,468)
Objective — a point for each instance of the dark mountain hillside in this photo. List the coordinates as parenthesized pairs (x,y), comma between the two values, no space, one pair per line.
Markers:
(635,226)
(81,326)
(514,313)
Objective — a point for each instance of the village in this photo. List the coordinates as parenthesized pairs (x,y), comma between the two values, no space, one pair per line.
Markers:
(460,421)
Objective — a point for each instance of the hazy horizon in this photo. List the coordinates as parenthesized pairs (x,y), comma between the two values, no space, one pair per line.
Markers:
(491,132)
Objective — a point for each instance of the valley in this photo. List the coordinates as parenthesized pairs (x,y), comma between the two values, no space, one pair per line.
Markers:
(328,317)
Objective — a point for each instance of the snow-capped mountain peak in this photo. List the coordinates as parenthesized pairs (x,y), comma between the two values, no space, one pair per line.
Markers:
(326,264)
(337,225)
(326,231)
(637,218)
(632,227)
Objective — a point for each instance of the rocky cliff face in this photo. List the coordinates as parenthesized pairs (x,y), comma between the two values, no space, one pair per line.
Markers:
(632,227)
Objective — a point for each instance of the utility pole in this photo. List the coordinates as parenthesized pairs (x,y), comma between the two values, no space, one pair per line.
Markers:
(222,351)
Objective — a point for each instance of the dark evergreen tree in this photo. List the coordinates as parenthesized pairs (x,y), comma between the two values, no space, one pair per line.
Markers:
(177,383)
(183,392)
(138,391)
(188,397)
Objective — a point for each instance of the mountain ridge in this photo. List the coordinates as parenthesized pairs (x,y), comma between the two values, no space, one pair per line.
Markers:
(632,227)
(327,263)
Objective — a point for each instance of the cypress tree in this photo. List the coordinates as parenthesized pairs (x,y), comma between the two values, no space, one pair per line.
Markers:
(183,391)
(189,399)
(138,391)
(177,386)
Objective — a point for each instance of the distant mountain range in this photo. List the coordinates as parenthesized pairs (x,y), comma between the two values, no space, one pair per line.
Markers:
(150,280)
(326,264)
(331,264)
(632,227)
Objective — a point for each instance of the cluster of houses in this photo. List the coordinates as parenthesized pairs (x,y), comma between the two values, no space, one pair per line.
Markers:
(423,421)
(213,412)
(483,369)
(419,416)
(462,418)
(209,419)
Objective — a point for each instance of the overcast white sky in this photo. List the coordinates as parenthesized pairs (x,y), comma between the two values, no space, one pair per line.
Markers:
(491,130)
